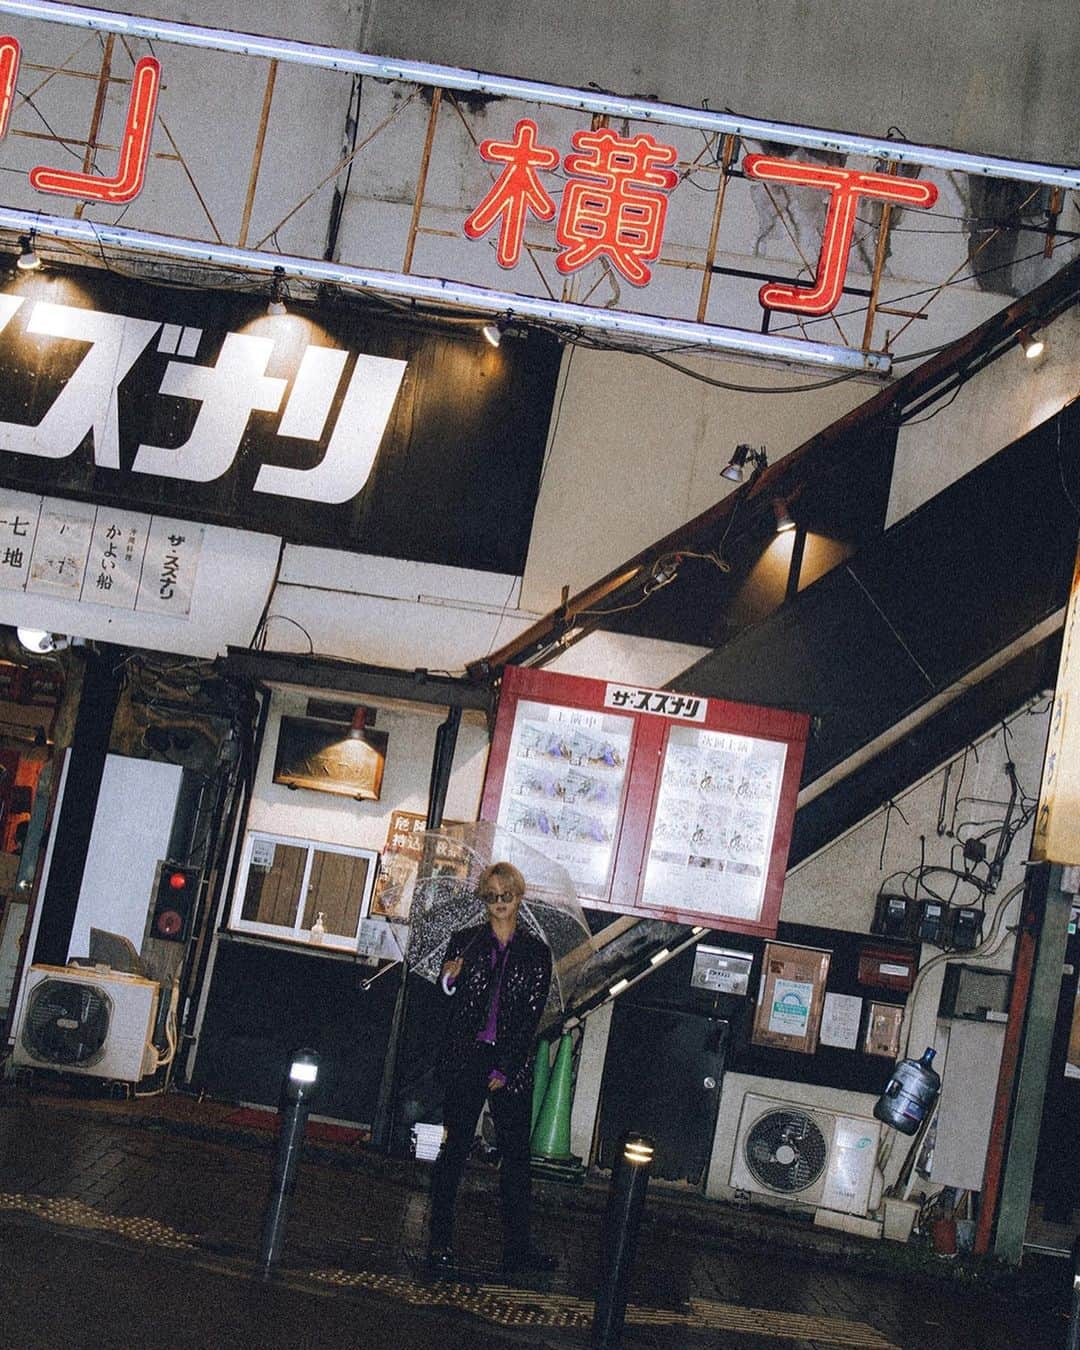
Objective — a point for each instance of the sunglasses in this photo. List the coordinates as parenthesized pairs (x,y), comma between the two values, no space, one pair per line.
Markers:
(496,897)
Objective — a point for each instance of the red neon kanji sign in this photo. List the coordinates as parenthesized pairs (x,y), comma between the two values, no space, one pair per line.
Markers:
(846,186)
(516,191)
(127,182)
(9,70)
(619,212)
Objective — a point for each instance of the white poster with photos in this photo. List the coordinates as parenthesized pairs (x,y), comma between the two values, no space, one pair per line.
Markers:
(712,832)
(564,784)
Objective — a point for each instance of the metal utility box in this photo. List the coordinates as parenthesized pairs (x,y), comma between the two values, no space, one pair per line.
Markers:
(720,971)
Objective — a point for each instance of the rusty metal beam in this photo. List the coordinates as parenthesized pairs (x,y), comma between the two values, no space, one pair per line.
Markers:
(257,154)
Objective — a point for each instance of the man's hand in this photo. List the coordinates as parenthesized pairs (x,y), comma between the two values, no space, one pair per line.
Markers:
(452,969)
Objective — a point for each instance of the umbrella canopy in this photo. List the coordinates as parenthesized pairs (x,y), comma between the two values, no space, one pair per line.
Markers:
(443,898)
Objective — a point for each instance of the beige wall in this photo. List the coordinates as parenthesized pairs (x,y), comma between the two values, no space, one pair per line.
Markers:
(328,819)
(636,450)
(1003,402)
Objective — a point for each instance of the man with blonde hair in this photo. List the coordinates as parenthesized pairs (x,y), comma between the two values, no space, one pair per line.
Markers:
(498,976)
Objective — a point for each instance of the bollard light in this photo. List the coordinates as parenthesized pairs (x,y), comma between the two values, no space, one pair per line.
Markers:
(638,1151)
(626,1200)
(301,1083)
(303,1076)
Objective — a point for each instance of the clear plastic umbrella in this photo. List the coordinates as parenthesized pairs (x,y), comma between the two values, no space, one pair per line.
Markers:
(439,891)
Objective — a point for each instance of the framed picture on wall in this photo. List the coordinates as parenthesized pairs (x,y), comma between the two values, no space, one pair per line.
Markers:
(330,757)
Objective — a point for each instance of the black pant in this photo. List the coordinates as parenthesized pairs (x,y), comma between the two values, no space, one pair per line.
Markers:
(465,1094)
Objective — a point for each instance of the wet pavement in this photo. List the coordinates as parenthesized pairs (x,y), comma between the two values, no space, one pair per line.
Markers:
(132,1224)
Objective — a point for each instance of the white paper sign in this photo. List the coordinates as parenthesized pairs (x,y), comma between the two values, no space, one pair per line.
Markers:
(115,564)
(840,1020)
(98,555)
(61,547)
(170,567)
(19,512)
(790,1011)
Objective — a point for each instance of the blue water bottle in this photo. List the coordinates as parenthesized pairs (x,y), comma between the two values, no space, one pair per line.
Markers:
(909,1094)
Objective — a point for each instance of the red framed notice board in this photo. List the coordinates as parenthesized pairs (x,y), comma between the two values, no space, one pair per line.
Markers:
(663,805)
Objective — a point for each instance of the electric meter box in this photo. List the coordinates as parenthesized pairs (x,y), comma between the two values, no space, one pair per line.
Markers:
(719,971)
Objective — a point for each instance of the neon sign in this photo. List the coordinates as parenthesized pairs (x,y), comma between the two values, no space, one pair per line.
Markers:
(618,207)
(616,210)
(9,70)
(614,206)
(845,187)
(126,184)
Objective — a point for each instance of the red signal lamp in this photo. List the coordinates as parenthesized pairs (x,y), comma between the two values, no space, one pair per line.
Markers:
(174,901)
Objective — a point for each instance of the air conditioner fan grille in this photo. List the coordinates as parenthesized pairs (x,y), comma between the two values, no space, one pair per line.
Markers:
(786,1151)
(67,1023)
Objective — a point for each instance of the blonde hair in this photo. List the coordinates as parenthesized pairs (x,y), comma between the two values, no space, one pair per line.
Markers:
(503,871)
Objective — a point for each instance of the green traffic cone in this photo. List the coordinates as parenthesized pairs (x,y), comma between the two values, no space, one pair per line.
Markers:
(551,1135)
(541,1078)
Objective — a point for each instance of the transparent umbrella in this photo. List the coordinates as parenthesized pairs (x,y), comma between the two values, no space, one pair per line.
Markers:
(439,890)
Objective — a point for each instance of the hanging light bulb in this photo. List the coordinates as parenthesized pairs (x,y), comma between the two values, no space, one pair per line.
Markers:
(277,306)
(28,260)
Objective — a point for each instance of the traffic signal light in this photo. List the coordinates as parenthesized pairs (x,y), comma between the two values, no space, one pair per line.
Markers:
(174,901)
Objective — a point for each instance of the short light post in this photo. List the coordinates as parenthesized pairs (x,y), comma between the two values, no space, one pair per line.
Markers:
(630,1177)
(299,1091)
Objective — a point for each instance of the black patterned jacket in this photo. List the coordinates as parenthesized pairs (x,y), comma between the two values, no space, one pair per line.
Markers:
(524,992)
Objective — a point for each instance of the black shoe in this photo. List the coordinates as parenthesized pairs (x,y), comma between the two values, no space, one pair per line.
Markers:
(530,1262)
(439,1259)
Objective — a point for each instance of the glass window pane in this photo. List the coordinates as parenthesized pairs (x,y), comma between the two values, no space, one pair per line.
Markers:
(272,894)
(336,887)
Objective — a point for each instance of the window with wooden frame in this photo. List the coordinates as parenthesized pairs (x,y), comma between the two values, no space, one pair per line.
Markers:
(285,884)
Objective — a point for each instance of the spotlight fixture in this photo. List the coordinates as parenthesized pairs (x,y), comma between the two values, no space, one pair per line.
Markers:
(38,641)
(1032,345)
(493,332)
(783,515)
(743,453)
(277,307)
(28,260)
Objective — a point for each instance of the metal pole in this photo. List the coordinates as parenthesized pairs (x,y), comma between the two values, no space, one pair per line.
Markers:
(299,1091)
(626,1201)
(382,1128)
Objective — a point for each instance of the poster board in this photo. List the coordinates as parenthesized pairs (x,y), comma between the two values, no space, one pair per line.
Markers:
(663,805)
(791,998)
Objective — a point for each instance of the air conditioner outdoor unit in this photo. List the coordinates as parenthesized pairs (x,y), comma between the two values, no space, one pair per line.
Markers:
(89,1021)
(805,1153)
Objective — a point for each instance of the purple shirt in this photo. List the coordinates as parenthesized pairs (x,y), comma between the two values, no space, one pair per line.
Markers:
(498,959)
